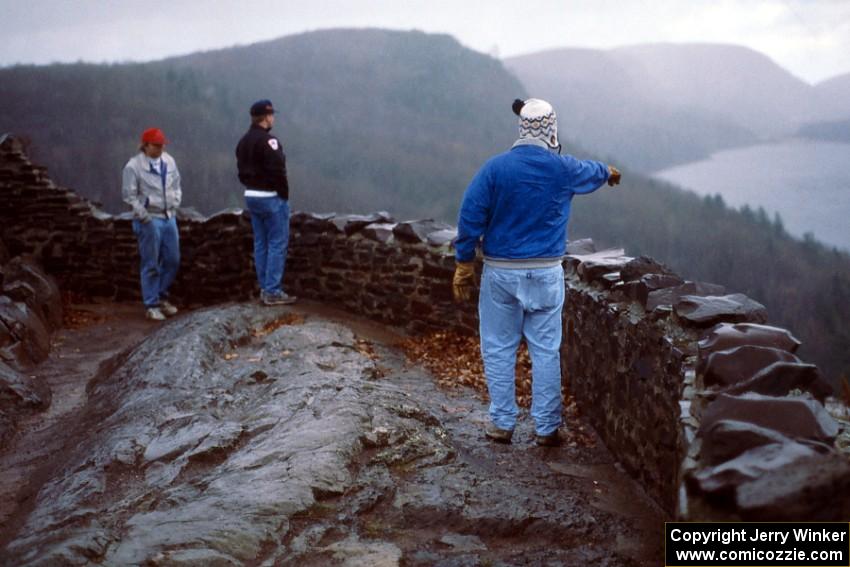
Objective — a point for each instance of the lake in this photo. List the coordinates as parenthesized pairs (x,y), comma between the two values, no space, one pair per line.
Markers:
(806,181)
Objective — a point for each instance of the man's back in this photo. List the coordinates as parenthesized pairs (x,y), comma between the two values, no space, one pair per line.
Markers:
(261,163)
(520,202)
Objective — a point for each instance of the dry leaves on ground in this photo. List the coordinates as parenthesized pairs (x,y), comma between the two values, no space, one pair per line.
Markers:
(455,359)
(74,317)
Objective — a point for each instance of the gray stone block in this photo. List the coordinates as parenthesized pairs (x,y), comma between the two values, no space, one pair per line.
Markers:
(797,418)
(703,311)
(727,367)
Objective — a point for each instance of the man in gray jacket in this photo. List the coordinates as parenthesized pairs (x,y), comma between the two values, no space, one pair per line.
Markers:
(151,186)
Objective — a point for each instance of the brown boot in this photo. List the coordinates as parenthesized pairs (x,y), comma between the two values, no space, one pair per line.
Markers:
(554,439)
(499,435)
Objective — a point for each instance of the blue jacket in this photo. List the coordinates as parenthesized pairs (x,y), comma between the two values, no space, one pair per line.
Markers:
(520,203)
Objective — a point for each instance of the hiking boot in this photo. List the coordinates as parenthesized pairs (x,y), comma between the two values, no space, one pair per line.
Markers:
(167,308)
(154,314)
(498,435)
(554,439)
(278,299)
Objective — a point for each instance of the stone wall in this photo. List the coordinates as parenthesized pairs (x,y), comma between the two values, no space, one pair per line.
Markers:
(397,273)
(675,376)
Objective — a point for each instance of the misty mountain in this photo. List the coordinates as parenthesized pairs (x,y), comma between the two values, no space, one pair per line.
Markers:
(663,104)
(834,98)
(369,119)
(827,131)
(833,118)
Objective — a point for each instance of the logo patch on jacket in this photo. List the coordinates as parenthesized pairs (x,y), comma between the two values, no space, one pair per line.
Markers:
(273,143)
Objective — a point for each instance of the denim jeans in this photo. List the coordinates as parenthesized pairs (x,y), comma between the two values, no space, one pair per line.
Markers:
(270,221)
(514,303)
(159,254)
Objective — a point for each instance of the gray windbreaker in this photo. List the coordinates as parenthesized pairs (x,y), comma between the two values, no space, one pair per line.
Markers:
(142,188)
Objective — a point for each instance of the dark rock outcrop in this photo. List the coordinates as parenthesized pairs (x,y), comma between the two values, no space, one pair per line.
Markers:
(592,267)
(750,465)
(207,437)
(229,438)
(709,310)
(417,231)
(30,308)
(643,266)
(781,378)
(817,488)
(725,439)
(24,338)
(726,336)
(19,394)
(26,282)
(672,295)
(728,367)
(797,418)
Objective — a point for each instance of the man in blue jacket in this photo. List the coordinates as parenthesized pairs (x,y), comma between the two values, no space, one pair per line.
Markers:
(519,204)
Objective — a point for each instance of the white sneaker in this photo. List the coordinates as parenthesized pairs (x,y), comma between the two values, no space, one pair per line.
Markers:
(167,308)
(154,314)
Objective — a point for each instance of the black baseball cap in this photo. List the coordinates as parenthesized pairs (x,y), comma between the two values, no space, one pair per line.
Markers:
(262,107)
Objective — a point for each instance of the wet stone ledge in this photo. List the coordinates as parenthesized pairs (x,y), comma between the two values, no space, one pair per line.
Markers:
(30,309)
(647,354)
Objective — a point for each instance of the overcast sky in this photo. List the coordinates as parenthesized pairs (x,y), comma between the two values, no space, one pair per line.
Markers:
(810,38)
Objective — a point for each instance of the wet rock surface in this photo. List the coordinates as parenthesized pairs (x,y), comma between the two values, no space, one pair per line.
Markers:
(30,308)
(817,488)
(593,266)
(726,439)
(796,417)
(645,266)
(672,295)
(751,465)
(726,336)
(37,436)
(781,378)
(712,309)
(248,436)
(19,394)
(727,367)
(417,231)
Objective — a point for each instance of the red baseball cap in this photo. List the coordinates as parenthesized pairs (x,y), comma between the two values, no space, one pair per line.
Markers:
(154,136)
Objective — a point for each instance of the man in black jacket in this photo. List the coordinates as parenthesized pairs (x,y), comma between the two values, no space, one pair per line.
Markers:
(262,170)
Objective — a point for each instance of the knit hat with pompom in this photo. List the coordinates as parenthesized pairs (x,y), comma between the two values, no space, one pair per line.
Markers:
(537,119)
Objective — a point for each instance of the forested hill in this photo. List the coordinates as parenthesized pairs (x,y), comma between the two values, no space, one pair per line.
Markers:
(369,119)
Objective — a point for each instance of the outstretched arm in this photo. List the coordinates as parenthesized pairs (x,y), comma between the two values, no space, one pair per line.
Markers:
(586,176)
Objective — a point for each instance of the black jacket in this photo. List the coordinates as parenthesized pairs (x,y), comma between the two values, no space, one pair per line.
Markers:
(261,162)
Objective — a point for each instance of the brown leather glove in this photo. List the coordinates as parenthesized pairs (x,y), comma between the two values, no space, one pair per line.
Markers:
(463,281)
(613,176)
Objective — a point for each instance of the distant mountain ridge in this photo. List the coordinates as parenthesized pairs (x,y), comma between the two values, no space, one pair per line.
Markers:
(834,96)
(689,99)
(398,119)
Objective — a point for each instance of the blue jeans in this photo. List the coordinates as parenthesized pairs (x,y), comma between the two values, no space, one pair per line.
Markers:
(512,304)
(159,254)
(270,221)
